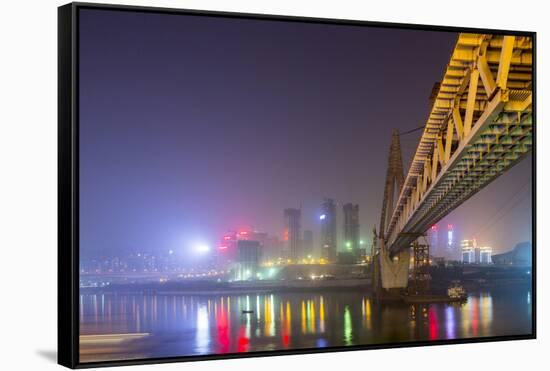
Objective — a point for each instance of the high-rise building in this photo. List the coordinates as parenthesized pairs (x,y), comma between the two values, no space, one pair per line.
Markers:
(227,250)
(248,260)
(228,253)
(292,233)
(450,239)
(351,228)
(468,251)
(434,241)
(328,230)
(485,253)
(474,254)
(307,244)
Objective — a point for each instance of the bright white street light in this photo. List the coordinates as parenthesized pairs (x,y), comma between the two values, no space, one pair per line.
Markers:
(202,248)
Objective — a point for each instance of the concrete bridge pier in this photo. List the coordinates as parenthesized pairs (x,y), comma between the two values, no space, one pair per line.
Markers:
(391,273)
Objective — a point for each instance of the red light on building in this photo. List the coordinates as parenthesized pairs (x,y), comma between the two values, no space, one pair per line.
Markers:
(449,226)
(227,238)
(243,233)
(222,247)
(434,227)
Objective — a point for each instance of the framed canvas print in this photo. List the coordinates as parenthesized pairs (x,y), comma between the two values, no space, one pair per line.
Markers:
(237,185)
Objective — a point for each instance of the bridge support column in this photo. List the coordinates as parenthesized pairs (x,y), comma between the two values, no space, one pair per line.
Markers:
(391,274)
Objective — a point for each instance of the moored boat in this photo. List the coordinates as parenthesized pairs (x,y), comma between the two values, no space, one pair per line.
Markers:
(456,291)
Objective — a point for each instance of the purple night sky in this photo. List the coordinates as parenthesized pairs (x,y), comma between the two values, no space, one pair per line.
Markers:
(192,125)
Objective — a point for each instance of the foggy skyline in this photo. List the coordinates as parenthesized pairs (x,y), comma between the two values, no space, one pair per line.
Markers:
(192,125)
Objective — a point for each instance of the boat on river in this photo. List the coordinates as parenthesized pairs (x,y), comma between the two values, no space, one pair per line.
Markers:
(456,291)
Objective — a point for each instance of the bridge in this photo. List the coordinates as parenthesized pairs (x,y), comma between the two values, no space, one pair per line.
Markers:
(479,126)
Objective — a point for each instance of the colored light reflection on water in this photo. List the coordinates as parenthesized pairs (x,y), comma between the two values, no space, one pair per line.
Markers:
(186,325)
(348,327)
(203,330)
(286,328)
(449,322)
(321,315)
(433,323)
(322,343)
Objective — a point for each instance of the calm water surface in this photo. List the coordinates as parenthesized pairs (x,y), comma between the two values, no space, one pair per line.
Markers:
(179,325)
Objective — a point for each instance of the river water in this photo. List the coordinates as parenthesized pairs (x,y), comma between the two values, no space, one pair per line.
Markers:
(183,325)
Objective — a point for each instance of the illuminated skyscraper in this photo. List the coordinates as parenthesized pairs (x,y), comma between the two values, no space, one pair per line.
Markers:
(292,233)
(434,240)
(474,254)
(485,253)
(468,251)
(351,228)
(328,230)
(450,243)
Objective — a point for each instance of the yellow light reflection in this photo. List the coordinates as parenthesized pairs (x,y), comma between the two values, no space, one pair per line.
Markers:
(367,313)
(322,315)
(303,317)
(268,320)
(311,316)
(288,319)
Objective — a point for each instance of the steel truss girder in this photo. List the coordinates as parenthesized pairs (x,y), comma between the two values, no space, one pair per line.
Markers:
(470,138)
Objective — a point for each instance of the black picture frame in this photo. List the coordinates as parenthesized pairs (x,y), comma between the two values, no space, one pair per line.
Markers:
(68,183)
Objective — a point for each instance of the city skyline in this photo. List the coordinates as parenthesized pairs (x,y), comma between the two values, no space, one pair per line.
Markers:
(187,171)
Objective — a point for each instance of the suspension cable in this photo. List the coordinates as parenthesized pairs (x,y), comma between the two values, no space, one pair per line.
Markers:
(412,130)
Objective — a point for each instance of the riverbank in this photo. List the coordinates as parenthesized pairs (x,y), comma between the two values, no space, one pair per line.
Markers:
(240,287)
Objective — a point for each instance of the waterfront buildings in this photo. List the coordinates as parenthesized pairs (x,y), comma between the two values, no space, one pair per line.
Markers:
(474,254)
(248,260)
(485,255)
(468,251)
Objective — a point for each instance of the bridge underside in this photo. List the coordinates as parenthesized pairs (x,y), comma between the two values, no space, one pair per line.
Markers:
(480,125)
(504,141)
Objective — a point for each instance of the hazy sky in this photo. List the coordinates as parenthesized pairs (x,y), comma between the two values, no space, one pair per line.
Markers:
(193,125)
